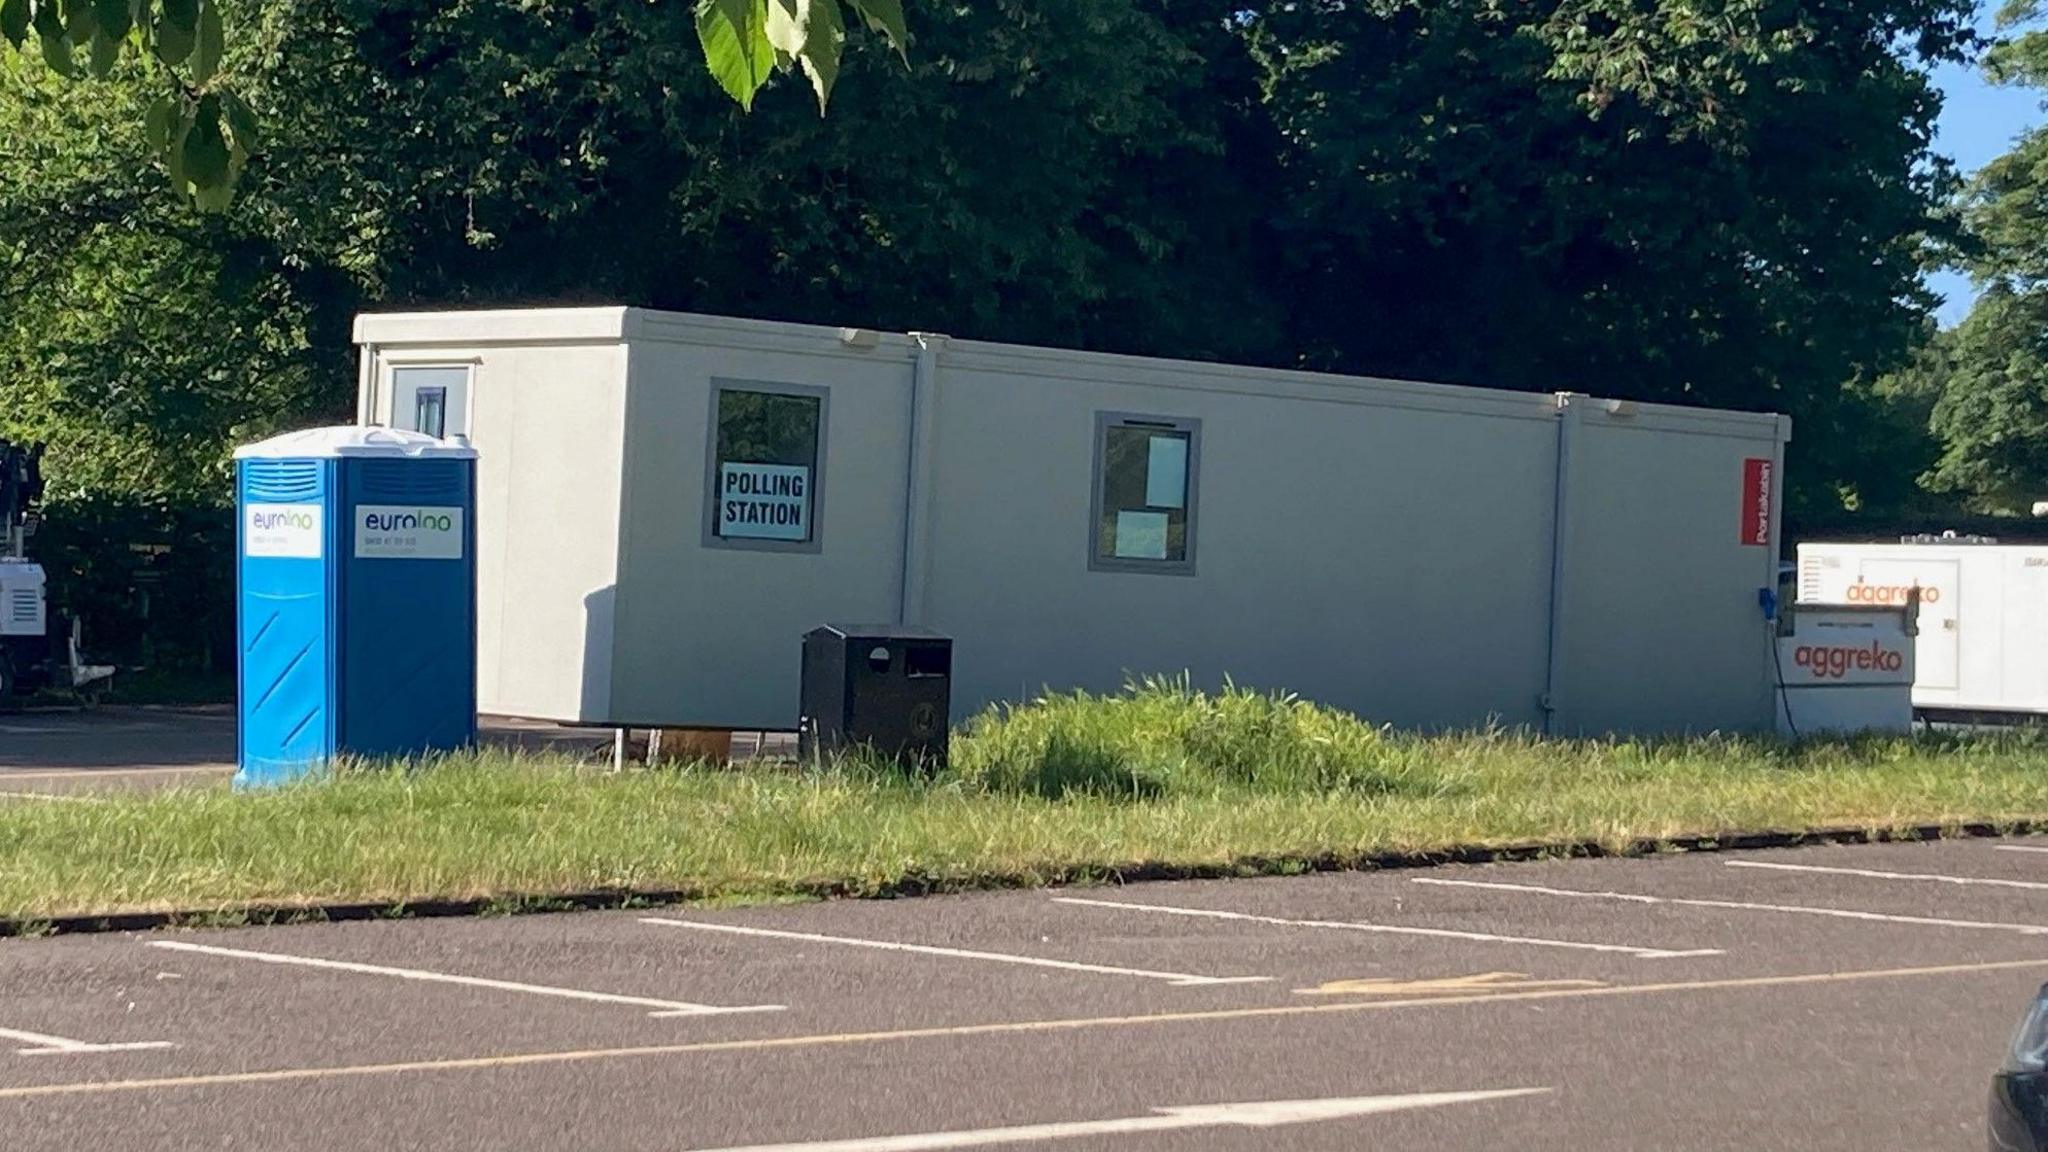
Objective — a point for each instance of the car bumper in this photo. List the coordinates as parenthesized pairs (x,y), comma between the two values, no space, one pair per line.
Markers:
(2018,1120)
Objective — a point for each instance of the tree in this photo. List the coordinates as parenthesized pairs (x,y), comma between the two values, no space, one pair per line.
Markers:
(204,131)
(1722,204)
(1992,415)
(1433,189)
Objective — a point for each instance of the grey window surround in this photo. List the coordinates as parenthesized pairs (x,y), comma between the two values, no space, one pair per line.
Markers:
(711,539)
(1187,426)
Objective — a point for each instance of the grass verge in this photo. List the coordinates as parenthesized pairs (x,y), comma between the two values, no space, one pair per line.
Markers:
(1160,778)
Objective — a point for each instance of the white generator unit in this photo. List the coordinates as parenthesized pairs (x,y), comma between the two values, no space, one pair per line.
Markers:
(1983,644)
(1846,669)
(24,620)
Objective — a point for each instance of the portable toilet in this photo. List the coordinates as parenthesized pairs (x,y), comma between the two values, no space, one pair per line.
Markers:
(356,598)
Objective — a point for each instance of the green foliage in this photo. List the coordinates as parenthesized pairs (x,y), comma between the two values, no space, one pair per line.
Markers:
(1993,412)
(1724,204)
(747,41)
(204,135)
(179,45)
(1163,735)
(1992,409)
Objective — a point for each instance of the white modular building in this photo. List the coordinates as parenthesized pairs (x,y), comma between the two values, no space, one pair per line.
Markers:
(1983,642)
(668,502)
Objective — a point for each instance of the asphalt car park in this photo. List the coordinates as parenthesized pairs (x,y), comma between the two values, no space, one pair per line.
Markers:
(1840,997)
(59,755)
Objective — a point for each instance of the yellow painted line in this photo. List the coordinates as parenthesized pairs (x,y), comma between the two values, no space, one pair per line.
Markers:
(1446,986)
(1017,1027)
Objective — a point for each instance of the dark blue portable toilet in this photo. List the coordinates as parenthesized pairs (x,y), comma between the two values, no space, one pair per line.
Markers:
(356,581)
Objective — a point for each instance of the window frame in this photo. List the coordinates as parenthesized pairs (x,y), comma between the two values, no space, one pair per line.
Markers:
(392,364)
(720,385)
(439,392)
(1187,425)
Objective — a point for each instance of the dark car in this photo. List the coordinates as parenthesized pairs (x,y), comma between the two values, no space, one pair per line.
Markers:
(2019,1093)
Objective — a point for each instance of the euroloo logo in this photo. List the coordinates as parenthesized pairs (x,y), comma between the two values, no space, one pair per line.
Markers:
(415,520)
(1832,662)
(1861,593)
(408,532)
(266,520)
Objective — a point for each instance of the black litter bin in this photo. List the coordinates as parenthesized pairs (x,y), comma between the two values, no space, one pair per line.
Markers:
(884,687)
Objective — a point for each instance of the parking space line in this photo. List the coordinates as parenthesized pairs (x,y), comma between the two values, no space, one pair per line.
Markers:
(42,1045)
(59,797)
(1178,979)
(1875,874)
(2018,848)
(1001,1028)
(1639,953)
(660,1008)
(18,775)
(1739,905)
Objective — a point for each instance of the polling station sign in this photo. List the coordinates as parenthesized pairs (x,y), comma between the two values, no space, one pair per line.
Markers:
(764,502)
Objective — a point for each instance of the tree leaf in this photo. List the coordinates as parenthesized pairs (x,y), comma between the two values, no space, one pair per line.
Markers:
(106,52)
(823,44)
(50,32)
(215,198)
(115,18)
(174,148)
(786,24)
(177,30)
(212,43)
(81,20)
(204,148)
(241,122)
(14,21)
(886,17)
(159,124)
(736,47)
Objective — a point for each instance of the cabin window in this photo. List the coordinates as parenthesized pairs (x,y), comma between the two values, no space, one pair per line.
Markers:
(767,457)
(1144,508)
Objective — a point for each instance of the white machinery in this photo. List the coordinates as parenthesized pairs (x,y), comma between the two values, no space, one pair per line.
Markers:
(1983,643)
(1846,669)
(29,656)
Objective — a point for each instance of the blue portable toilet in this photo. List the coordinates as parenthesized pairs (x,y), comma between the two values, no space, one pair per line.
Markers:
(356,598)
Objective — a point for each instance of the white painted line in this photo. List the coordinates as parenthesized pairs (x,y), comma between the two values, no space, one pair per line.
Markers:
(1874,874)
(1397,929)
(1178,979)
(1740,906)
(1259,1114)
(41,1045)
(16,776)
(56,796)
(661,1008)
(2019,848)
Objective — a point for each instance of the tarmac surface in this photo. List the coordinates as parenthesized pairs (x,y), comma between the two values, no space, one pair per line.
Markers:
(71,751)
(1823,998)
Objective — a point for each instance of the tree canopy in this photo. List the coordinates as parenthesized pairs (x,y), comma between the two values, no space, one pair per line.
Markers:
(203,131)
(1702,201)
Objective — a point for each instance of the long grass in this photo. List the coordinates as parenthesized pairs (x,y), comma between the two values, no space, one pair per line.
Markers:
(1070,785)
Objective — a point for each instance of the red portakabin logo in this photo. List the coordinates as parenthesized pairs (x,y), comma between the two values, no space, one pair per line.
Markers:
(1832,662)
(1861,593)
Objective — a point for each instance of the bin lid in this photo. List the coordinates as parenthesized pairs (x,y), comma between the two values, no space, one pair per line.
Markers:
(354,440)
(880,632)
